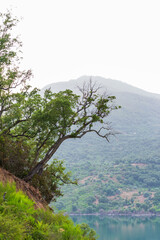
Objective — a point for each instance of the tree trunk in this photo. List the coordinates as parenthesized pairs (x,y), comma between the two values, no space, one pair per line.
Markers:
(40,165)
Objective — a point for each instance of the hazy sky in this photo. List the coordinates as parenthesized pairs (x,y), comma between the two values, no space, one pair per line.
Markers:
(65,39)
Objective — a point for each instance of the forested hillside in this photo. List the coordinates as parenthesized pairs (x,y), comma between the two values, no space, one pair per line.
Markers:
(122,175)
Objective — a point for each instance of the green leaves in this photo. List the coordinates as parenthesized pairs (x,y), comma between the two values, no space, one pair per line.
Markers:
(19,220)
(39,124)
(50,181)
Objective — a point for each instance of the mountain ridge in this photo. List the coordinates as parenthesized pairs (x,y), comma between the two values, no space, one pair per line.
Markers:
(125,174)
(119,85)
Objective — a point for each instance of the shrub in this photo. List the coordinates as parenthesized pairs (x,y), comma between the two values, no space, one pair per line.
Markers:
(19,220)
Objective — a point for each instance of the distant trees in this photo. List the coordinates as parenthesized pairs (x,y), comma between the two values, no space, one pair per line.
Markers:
(33,127)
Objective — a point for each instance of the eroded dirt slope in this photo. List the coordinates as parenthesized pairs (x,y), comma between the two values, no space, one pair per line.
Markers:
(29,190)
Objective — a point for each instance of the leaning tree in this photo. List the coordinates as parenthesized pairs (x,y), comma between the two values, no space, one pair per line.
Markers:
(32,126)
(66,115)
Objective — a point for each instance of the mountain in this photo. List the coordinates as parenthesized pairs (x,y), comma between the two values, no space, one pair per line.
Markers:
(111,85)
(122,175)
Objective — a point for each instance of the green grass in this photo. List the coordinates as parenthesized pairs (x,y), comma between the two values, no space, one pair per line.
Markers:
(19,220)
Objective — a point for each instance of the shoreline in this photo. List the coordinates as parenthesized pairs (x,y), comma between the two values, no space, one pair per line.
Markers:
(130,214)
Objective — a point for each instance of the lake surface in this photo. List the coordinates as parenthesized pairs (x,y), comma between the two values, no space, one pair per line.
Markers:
(123,228)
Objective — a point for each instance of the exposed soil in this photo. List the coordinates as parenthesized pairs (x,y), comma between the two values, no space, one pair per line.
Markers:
(91,178)
(29,190)
(128,195)
(141,165)
(96,201)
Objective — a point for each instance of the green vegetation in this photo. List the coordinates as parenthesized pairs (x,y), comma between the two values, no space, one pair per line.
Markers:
(33,127)
(19,220)
(127,187)
(123,175)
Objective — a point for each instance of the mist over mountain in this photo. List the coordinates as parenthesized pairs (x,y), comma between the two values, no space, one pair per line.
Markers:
(140,112)
(135,152)
(107,83)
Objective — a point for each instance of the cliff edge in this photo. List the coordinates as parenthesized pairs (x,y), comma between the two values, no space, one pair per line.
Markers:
(29,190)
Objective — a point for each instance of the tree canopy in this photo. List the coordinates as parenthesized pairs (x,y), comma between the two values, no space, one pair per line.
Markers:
(32,126)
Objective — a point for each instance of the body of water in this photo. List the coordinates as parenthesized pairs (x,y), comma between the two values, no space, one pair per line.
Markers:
(123,228)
